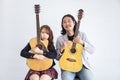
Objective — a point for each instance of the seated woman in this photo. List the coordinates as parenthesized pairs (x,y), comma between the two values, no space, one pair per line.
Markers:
(50,73)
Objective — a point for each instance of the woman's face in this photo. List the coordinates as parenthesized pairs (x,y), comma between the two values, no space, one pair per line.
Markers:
(44,34)
(68,24)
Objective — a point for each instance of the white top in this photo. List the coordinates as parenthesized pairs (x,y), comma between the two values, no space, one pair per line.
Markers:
(88,48)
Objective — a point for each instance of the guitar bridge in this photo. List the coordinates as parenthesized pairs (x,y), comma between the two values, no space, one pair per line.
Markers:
(71,60)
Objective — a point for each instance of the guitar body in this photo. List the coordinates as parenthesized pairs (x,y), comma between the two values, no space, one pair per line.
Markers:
(72,61)
(39,65)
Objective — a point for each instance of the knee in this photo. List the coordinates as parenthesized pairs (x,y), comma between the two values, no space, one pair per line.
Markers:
(34,77)
(45,77)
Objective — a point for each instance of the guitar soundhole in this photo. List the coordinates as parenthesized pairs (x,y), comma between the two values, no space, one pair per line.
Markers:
(73,50)
(39,46)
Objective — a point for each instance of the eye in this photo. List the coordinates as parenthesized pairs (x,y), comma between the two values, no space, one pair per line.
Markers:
(42,32)
(64,22)
(47,33)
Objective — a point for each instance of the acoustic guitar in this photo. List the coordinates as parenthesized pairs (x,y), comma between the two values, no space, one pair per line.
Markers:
(37,64)
(71,59)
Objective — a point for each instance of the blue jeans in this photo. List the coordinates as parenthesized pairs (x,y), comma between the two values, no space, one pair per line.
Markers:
(83,74)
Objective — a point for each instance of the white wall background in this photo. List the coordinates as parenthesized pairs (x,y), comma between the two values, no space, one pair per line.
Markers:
(101,23)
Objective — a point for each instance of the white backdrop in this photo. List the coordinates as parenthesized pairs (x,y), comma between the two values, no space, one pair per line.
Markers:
(101,22)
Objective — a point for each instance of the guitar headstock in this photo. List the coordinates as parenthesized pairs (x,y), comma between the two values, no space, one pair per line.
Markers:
(37,9)
(80,14)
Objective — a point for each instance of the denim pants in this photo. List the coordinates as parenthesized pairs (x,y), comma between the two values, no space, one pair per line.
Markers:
(83,74)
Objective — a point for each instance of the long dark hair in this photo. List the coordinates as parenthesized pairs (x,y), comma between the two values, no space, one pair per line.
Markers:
(50,39)
(63,31)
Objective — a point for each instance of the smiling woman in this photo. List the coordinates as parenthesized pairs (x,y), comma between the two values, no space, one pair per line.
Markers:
(73,45)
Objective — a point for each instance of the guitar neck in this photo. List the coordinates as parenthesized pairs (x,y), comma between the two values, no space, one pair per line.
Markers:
(77,26)
(76,33)
(77,29)
(38,28)
(37,23)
